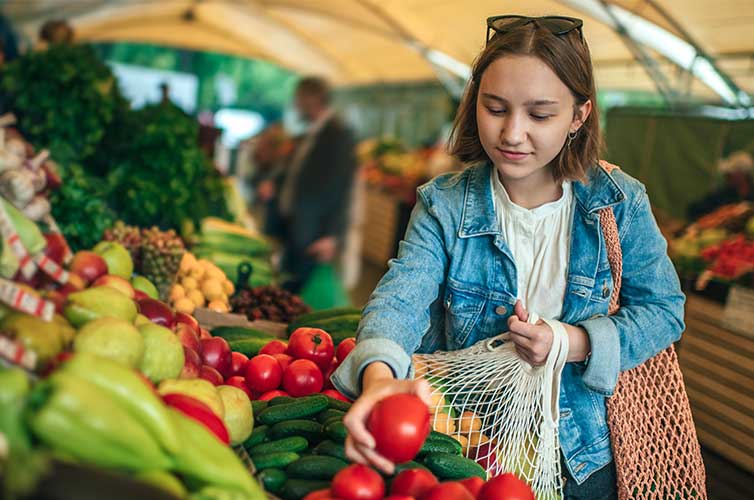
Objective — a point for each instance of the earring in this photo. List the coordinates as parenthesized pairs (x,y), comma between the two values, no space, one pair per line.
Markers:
(571,137)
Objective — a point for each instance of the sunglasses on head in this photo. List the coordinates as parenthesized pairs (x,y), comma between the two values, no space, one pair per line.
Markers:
(557,25)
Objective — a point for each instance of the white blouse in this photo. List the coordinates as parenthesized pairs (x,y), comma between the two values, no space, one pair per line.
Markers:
(540,241)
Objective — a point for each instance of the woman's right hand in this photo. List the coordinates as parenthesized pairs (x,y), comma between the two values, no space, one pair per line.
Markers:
(378,383)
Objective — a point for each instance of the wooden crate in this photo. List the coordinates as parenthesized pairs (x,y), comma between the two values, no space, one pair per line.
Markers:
(718,367)
(382,213)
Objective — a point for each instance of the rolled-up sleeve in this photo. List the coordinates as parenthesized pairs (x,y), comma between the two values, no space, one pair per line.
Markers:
(398,313)
(651,315)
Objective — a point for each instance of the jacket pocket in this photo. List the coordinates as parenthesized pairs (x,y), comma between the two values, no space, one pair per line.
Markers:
(462,312)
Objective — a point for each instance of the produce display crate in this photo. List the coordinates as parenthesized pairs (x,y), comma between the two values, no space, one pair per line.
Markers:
(738,314)
(211,319)
(718,368)
(380,225)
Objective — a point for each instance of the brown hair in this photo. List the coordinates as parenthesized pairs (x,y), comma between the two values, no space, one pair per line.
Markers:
(568,56)
(315,86)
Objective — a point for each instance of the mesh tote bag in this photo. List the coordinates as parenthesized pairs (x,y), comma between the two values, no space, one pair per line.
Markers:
(655,447)
(503,410)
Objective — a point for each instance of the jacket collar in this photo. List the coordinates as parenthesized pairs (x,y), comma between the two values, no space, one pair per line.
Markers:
(479,218)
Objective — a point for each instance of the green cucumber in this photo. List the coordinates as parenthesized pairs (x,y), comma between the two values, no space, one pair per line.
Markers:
(276,460)
(337,404)
(437,444)
(332,420)
(238,333)
(312,431)
(258,436)
(281,400)
(337,432)
(316,467)
(339,327)
(293,443)
(272,479)
(257,406)
(447,466)
(300,408)
(249,347)
(329,413)
(331,449)
(296,489)
(407,466)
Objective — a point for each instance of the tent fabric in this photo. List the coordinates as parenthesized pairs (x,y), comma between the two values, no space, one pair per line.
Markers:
(354,42)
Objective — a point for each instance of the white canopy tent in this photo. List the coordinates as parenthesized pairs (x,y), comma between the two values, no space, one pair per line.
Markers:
(702,48)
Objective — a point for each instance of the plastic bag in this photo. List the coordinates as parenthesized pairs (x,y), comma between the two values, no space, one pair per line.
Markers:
(324,289)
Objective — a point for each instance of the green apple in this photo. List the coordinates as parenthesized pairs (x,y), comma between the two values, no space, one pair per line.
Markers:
(163,353)
(97,302)
(116,256)
(146,286)
(112,338)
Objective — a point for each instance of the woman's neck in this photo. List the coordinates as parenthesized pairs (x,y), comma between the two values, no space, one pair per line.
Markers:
(534,190)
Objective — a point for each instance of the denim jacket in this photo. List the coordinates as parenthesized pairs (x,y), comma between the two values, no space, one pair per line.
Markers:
(454,284)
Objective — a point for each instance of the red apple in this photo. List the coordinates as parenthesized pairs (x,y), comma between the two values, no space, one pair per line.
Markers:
(238,362)
(216,353)
(157,312)
(88,265)
(192,364)
(56,247)
(75,284)
(138,295)
(210,374)
(204,334)
(182,317)
(187,337)
(120,284)
(240,382)
(57,298)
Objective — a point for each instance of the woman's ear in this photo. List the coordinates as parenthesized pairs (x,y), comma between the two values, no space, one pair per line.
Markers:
(580,116)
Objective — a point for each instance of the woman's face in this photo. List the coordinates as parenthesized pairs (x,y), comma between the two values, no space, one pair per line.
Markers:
(524,114)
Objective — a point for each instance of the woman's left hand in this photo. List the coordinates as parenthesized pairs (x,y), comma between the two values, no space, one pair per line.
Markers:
(533,341)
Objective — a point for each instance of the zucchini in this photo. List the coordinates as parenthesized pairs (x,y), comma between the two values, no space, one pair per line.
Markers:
(329,413)
(250,346)
(311,431)
(293,443)
(300,408)
(316,467)
(331,449)
(276,460)
(239,333)
(296,489)
(272,479)
(325,314)
(258,436)
(337,432)
(447,466)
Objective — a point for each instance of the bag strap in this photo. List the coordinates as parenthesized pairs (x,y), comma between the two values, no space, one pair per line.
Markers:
(612,243)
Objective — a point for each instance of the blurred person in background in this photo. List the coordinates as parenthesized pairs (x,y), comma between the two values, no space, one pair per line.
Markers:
(316,192)
(55,31)
(737,186)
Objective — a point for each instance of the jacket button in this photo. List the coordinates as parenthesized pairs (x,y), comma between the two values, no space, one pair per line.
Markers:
(501,310)
(605,292)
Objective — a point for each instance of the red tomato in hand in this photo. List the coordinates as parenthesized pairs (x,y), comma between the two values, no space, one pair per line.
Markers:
(312,344)
(301,378)
(358,482)
(399,424)
(345,348)
(506,487)
(284,360)
(272,394)
(274,347)
(450,491)
(473,484)
(413,482)
(263,373)
(238,362)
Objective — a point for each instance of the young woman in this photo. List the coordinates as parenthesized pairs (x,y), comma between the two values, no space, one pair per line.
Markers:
(519,231)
